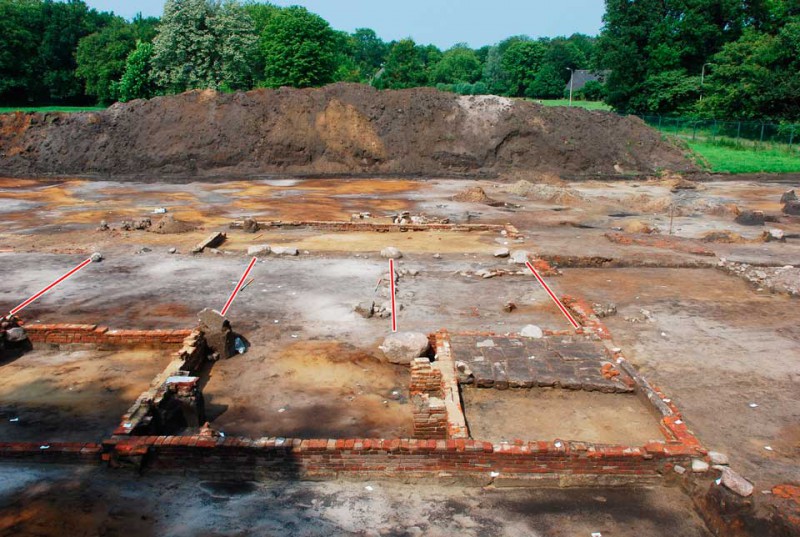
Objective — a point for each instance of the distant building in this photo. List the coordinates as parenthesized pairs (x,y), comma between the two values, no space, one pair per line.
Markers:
(582,76)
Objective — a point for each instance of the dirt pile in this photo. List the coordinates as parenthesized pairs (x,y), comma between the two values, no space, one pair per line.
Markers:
(476,195)
(339,129)
(545,192)
(169,225)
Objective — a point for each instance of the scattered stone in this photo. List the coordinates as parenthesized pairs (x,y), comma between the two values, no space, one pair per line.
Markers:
(464,373)
(792,208)
(501,252)
(774,235)
(486,274)
(508,307)
(143,224)
(680,470)
(390,252)
(750,218)
(519,257)
(258,249)
(717,458)
(723,236)
(103,226)
(736,483)
(144,250)
(173,250)
(485,344)
(160,210)
(437,256)
(699,466)
(789,195)
(96,257)
(365,309)
(605,310)
(404,347)
(532,331)
(250,225)
(212,241)
(285,250)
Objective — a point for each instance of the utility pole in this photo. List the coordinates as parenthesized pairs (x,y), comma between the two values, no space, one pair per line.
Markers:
(571,79)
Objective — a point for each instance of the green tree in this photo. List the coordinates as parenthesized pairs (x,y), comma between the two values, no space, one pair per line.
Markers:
(369,51)
(458,64)
(521,61)
(20,28)
(101,59)
(404,67)
(494,76)
(137,81)
(548,83)
(299,49)
(204,44)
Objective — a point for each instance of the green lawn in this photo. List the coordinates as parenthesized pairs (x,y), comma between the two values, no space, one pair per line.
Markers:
(724,158)
(589,105)
(8,110)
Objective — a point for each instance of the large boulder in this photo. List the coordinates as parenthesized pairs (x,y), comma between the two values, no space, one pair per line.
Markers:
(792,208)
(217,332)
(404,347)
(390,252)
(519,257)
(750,218)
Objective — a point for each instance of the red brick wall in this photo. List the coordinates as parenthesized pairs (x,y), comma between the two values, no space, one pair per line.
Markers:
(102,336)
(392,458)
(55,452)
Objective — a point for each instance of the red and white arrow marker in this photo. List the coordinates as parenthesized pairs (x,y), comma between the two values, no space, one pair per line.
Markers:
(238,286)
(561,306)
(46,289)
(394,291)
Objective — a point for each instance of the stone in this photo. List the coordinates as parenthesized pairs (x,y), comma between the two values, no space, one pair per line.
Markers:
(531,331)
(142,224)
(485,344)
(486,274)
(750,218)
(285,250)
(789,195)
(212,241)
(16,335)
(501,252)
(519,257)
(103,226)
(680,470)
(774,235)
(250,225)
(365,309)
(390,252)
(258,249)
(217,332)
(173,250)
(437,256)
(96,257)
(508,307)
(699,466)
(736,483)
(403,347)
(717,458)
(792,208)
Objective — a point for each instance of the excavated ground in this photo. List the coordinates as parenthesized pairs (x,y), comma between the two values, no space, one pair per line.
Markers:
(711,340)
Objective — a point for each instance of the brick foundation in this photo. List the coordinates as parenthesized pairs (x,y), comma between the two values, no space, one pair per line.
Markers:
(103,337)
(510,230)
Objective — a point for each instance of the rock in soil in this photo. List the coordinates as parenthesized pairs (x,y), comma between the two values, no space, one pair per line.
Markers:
(403,347)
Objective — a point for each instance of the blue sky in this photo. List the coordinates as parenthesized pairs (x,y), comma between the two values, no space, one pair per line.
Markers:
(441,22)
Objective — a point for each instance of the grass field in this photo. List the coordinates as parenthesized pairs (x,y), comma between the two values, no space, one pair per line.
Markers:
(11,109)
(731,159)
(589,105)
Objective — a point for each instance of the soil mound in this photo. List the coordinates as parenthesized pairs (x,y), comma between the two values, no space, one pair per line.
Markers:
(476,195)
(342,129)
(545,192)
(169,225)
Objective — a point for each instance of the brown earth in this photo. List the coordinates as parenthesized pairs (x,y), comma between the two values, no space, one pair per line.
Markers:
(339,129)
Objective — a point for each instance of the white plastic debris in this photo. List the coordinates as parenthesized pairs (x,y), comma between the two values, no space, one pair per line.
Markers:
(494,474)
(160,210)
(281,410)
(753,405)
(13,420)
(44,446)
(597,534)
(369,488)
(768,448)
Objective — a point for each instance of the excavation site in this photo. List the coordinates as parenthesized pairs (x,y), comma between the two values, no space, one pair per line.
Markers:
(453,313)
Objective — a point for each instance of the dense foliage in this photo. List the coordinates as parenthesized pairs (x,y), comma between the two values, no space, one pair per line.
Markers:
(723,58)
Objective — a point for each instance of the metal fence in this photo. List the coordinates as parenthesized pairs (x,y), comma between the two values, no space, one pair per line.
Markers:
(752,133)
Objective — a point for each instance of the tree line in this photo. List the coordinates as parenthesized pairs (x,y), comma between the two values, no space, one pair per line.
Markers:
(726,58)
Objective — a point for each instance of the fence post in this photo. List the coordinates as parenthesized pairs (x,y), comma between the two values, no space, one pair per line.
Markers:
(761,140)
(694,130)
(791,136)
(659,122)
(738,131)
(714,131)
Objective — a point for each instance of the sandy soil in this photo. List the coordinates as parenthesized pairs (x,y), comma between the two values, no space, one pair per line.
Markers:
(549,414)
(71,396)
(308,389)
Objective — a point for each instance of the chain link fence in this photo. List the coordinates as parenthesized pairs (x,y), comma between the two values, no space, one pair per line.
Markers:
(755,134)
